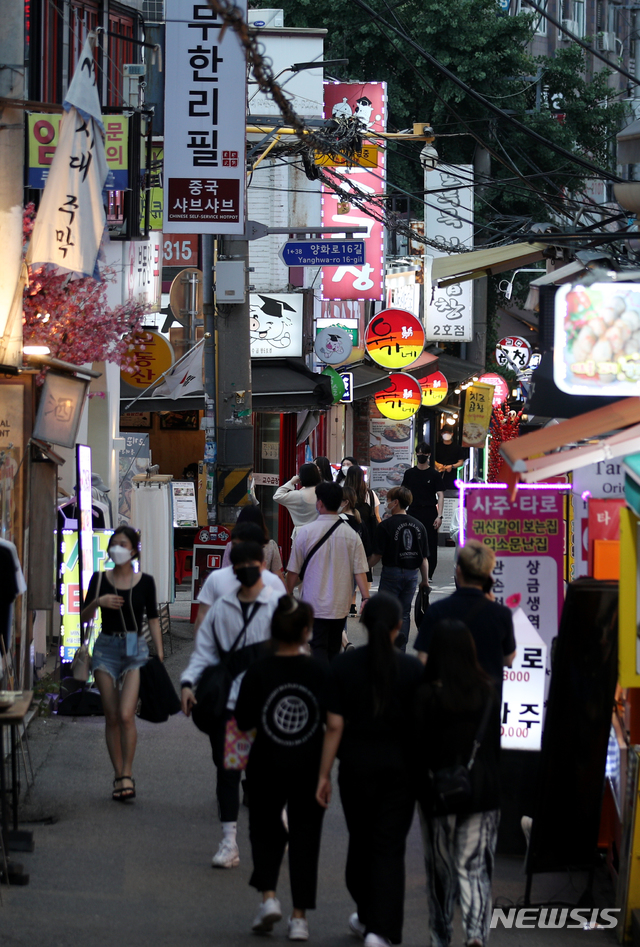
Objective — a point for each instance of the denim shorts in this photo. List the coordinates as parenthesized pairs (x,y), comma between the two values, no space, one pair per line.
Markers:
(110,655)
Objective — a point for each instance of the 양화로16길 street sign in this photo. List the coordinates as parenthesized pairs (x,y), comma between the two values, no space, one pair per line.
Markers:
(323,253)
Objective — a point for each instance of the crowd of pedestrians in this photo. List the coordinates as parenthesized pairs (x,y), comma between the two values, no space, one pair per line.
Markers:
(402,727)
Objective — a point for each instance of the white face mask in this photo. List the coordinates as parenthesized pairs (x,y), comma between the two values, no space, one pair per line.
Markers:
(119,554)
(344,468)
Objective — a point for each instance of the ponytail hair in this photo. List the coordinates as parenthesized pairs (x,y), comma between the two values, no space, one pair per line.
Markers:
(380,615)
(290,619)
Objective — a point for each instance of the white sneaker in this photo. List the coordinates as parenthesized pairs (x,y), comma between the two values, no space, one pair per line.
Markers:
(298,928)
(269,913)
(356,926)
(227,855)
(375,940)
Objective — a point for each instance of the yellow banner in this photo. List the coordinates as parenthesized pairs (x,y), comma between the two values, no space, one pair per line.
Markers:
(367,158)
(478,405)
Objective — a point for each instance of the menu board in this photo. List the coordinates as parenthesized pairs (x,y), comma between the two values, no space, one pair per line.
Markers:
(391,446)
(185,510)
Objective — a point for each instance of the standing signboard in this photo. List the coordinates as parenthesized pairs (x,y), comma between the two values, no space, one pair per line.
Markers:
(448,218)
(368,102)
(204,156)
(528,538)
(208,550)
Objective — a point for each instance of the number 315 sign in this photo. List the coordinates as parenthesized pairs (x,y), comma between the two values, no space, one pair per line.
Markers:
(180,250)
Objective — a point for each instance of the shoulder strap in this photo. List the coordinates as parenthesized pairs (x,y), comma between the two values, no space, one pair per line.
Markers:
(315,548)
(222,654)
(481,729)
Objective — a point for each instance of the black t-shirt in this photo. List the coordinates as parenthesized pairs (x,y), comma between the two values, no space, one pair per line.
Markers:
(447,454)
(490,624)
(424,486)
(142,596)
(402,542)
(445,738)
(286,699)
(374,742)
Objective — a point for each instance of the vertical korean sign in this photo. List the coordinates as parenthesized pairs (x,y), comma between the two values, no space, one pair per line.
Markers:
(448,218)
(206,97)
(368,102)
(527,536)
(85,516)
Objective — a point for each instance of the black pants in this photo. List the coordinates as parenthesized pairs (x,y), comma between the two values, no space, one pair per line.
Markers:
(327,638)
(270,790)
(427,518)
(378,807)
(227,780)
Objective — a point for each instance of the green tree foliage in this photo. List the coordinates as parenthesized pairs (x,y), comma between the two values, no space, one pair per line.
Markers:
(487,50)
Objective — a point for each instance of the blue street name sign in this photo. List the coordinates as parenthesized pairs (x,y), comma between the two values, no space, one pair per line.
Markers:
(323,253)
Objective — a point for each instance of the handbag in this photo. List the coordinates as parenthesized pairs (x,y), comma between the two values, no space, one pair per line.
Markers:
(237,745)
(158,699)
(212,691)
(421,604)
(451,785)
(81,664)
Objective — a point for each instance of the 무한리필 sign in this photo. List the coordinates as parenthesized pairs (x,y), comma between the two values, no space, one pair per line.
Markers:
(205,95)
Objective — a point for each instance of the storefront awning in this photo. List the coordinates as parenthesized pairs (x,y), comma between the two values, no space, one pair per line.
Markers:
(562,275)
(459,267)
(286,384)
(367,379)
(539,455)
(454,369)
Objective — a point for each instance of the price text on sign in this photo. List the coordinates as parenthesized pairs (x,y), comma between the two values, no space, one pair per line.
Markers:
(180,251)
(323,253)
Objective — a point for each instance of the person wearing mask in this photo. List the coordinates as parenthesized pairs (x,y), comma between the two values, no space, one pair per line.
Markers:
(221,581)
(425,484)
(456,704)
(241,618)
(272,557)
(344,467)
(300,503)
(283,696)
(370,706)
(490,623)
(122,596)
(323,465)
(449,457)
(401,542)
(349,512)
(329,554)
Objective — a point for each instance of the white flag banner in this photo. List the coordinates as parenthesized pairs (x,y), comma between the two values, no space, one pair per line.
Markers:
(71,218)
(186,377)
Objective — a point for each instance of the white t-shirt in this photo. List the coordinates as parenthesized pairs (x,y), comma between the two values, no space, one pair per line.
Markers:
(328,579)
(223,581)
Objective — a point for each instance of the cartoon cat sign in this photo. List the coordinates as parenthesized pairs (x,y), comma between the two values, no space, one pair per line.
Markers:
(275,325)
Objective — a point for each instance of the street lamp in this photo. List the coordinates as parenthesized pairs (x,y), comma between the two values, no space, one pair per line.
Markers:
(429,158)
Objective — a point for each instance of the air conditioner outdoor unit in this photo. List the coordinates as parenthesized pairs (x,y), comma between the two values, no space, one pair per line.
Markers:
(131,70)
(606,42)
(570,25)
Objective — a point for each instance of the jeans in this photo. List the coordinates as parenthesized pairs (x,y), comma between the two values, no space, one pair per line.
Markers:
(402,583)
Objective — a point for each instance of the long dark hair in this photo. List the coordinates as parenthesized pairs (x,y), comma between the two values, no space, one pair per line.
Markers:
(380,615)
(341,476)
(355,480)
(453,663)
(290,619)
(253,514)
(323,465)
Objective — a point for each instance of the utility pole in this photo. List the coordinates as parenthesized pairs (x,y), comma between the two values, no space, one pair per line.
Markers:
(11,184)
(234,438)
(210,394)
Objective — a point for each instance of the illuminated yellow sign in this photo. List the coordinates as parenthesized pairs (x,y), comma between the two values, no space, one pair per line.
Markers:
(43,131)
(367,158)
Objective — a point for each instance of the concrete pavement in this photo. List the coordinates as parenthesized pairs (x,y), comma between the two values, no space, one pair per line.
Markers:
(139,875)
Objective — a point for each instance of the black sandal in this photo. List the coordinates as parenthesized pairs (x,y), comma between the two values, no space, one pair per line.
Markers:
(128,792)
(116,795)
